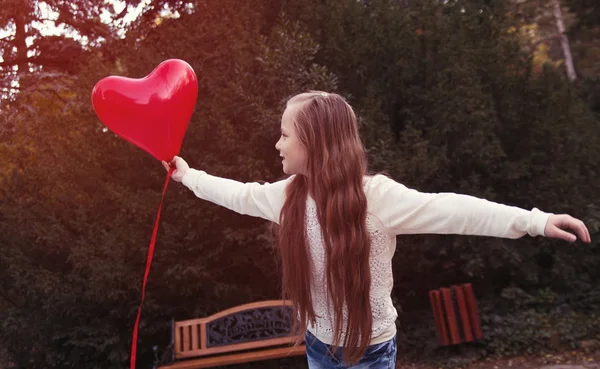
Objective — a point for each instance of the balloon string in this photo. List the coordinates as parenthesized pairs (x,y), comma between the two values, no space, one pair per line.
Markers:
(148,264)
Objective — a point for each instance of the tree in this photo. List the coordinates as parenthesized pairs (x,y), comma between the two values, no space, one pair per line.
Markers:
(83,24)
(24,21)
(585,32)
(586,11)
(542,28)
(78,203)
(564,41)
(449,102)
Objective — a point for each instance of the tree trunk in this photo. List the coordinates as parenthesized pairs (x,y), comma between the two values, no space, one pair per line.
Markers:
(21,44)
(564,41)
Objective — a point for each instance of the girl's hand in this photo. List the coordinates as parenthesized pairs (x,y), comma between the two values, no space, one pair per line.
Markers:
(558,224)
(181,167)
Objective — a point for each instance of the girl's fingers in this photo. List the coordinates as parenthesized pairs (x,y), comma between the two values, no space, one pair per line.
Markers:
(581,230)
(586,233)
(565,235)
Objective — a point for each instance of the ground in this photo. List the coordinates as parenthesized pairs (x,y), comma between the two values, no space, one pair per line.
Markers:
(575,359)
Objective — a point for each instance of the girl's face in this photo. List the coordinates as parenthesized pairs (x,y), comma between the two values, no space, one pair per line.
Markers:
(292,152)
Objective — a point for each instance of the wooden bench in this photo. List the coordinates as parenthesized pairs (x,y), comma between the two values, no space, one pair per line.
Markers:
(251,332)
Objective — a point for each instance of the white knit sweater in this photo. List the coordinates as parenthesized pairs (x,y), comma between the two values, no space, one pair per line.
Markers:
(393,209)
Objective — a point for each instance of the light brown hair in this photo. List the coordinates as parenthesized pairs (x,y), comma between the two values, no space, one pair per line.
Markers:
(336,165)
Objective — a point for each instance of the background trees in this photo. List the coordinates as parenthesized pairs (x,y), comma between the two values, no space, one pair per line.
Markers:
(449,100)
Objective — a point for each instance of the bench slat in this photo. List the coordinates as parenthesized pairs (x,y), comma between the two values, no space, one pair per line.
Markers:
(203,337)
(195,332)
(177,338)
(240,358)
(237,347)
(186,337)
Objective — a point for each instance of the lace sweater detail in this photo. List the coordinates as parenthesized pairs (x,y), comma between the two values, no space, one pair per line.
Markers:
(382,250)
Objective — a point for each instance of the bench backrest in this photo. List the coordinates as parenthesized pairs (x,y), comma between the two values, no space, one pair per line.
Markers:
(250,326)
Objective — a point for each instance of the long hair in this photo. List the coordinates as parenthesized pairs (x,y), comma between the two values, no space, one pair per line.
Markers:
(327,128)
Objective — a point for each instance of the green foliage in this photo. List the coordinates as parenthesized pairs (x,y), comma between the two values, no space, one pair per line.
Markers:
(514,322)
(584,38)
(447,102)
(587,12)
(27,45)
(540,322)
(590,93)
(78,204)
(450,103)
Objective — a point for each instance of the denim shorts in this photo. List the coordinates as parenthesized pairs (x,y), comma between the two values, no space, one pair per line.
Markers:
(379,356)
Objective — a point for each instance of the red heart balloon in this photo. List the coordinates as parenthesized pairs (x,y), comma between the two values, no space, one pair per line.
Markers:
(151,112)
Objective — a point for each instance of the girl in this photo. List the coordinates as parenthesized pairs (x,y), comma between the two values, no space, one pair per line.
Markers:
(338,228)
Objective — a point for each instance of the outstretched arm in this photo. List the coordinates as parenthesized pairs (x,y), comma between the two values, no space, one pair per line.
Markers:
(259,200)
(406,211)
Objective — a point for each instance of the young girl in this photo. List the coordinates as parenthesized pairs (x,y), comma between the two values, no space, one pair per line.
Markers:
(338,228)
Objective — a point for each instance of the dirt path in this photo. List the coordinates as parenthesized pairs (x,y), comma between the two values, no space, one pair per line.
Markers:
(576,359)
